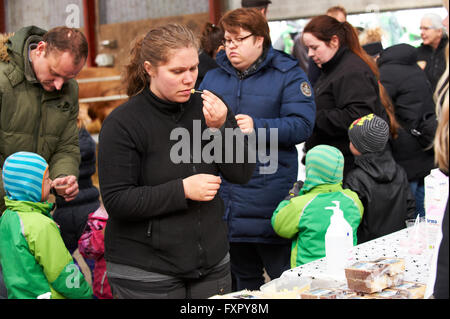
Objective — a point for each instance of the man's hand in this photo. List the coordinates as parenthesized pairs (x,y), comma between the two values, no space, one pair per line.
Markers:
(72,186)
(201,187)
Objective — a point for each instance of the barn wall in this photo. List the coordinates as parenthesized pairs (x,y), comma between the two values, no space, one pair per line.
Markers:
(42,13)
(126,33)
(114,11)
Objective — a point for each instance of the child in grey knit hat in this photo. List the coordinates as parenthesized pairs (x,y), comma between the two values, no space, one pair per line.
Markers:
(381,184)
(368,134)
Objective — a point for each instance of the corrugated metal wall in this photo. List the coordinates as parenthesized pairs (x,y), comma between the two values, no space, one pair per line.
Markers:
(51,13)
(42,13)
(115,11)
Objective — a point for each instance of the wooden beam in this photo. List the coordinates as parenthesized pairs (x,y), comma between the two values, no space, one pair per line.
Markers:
(2,17)
(89,27)
(215,11)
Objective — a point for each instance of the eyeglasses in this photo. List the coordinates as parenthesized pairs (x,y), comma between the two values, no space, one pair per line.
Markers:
(237,41)
(426,28)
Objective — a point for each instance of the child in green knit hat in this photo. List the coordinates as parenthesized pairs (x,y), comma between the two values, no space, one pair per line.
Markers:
(302,215)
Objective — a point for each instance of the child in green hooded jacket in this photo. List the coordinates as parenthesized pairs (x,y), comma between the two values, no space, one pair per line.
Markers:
(302,215)
(34,260)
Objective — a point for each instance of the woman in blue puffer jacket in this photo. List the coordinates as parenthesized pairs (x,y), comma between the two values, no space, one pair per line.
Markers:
(274,103)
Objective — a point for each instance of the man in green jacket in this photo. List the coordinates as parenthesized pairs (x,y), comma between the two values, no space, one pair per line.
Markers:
(39,99)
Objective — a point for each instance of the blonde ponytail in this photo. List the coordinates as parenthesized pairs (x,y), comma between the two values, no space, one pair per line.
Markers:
(135,78)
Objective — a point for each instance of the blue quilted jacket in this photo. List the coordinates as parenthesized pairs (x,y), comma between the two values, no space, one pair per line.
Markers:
(277,95)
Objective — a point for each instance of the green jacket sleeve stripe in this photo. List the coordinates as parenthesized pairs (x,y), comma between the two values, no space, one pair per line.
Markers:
(71,283)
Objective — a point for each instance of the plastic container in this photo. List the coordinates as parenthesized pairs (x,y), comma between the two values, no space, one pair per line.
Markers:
(338,243)
(436,196)
(61,189)
(286,288)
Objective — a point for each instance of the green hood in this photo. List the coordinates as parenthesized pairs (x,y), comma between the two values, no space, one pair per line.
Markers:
(29,207)
(324,164)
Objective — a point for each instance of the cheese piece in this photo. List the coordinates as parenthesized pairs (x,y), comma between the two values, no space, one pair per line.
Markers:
(320,293)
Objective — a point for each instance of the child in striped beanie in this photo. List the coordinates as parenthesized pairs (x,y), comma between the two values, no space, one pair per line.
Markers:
(26,178)
(34,260)
(303,216)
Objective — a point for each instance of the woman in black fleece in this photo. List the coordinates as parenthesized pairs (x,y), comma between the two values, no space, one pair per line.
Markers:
(159,175)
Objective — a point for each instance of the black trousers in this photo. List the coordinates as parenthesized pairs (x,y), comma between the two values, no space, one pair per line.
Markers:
(248,261)
(217,282)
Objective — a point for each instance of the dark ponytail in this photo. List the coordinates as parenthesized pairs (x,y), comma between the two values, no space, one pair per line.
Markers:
(211,39)
(351,40)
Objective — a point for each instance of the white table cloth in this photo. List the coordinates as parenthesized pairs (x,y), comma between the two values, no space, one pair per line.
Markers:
(391,246)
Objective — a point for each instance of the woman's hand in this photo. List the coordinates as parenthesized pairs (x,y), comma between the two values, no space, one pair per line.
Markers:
(214,110)
(245,123)
(201,187)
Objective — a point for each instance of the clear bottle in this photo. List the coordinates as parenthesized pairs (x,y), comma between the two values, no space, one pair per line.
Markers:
(338,243)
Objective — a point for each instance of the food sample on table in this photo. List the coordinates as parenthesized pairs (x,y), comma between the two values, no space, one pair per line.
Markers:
(374,276)
(413,290)
(320,293)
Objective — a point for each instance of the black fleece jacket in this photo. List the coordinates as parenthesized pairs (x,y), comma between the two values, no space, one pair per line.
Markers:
(151,225)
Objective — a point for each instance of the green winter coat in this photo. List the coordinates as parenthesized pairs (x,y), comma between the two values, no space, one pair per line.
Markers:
(32,119)
(33,256)
(305,220)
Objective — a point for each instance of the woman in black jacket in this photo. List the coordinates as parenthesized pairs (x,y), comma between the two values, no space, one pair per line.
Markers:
(347,88)
(159,175)
(412,97)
